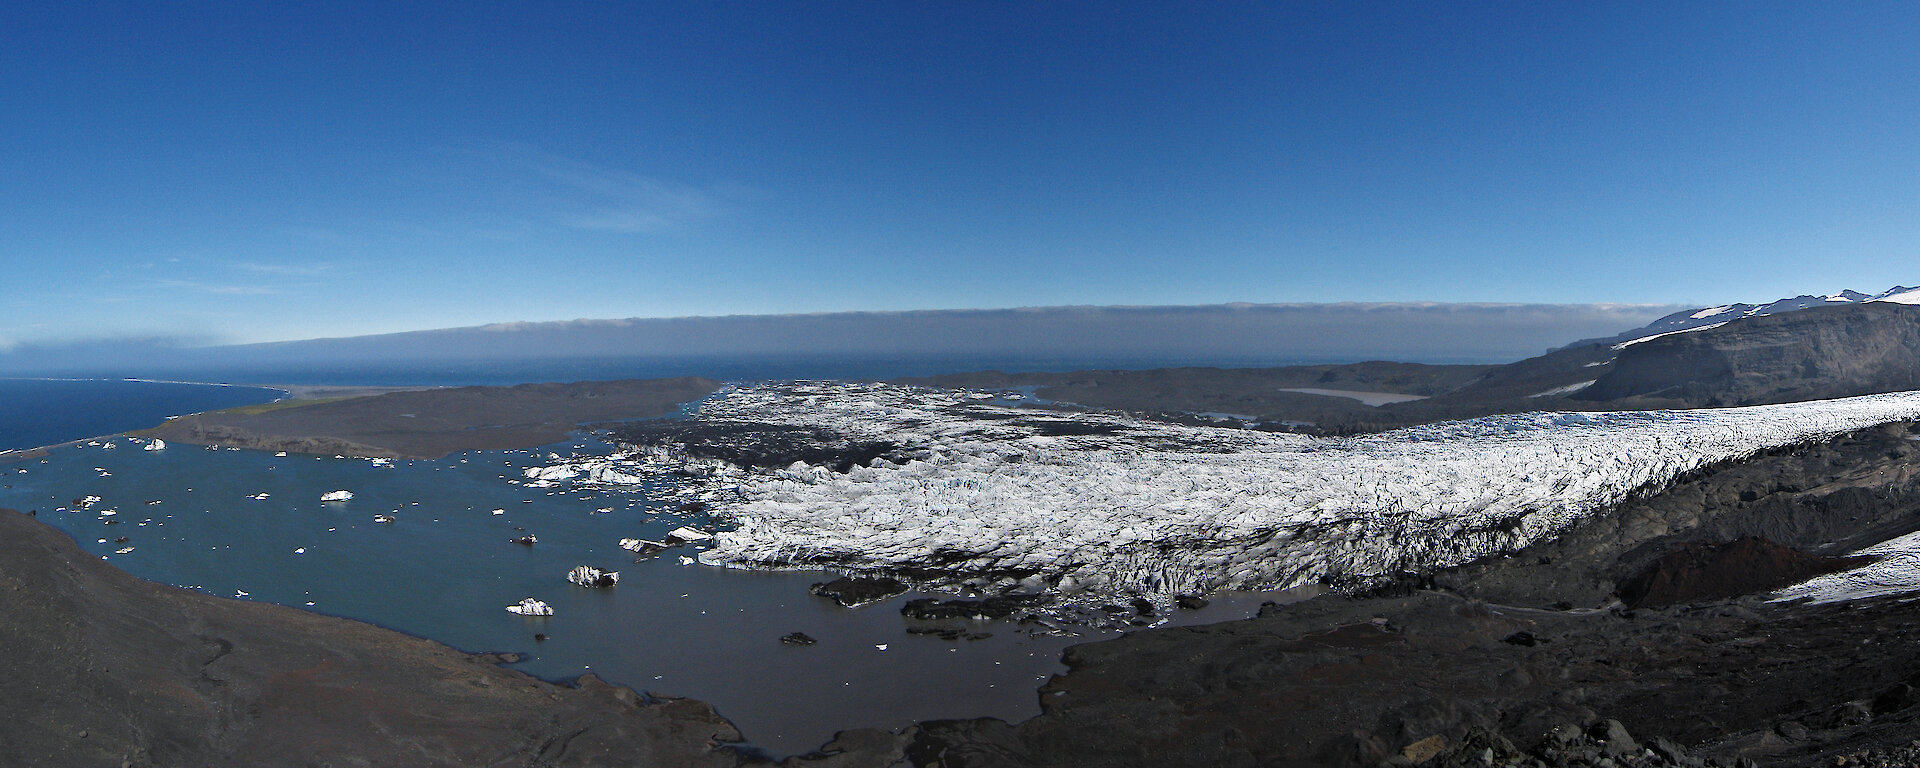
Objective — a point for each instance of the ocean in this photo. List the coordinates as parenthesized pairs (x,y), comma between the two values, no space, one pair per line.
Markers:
(37,412)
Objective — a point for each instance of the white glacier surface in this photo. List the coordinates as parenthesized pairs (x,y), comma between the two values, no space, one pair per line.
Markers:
(1897,571)
(1119,505)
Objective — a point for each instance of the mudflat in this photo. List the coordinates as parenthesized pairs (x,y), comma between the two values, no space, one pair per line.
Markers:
(431,423)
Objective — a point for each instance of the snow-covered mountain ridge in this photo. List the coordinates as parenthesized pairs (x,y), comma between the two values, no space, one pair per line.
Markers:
(1115,505)
(1711,317)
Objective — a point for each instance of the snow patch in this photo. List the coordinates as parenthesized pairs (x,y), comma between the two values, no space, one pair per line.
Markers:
(1566,390)
(1896,572)
(1710,312)
(1901,296)
(1631,342)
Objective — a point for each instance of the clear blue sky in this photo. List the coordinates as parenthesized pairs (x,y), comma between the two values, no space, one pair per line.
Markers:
(239,172)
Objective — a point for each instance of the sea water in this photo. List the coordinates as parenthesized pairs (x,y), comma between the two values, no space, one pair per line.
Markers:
(36,412)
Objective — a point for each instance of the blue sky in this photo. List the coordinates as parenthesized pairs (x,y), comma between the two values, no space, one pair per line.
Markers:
(240,172)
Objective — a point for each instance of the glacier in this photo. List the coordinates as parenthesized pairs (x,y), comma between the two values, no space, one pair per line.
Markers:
(1895,571)
(1108,504)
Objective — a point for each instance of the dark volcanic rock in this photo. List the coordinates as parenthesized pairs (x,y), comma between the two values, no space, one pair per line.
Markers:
(1319,684)
(997,607)
(1707,571)
(854,592)
(762,446)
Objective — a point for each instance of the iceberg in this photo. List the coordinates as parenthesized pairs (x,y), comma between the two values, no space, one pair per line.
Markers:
(155,444)
(337,496)
(644,546)
(589,576)
(531,607)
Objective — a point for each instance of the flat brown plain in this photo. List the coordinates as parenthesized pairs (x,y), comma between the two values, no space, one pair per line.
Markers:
(431,423)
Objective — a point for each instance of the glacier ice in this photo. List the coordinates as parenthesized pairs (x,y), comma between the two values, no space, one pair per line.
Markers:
(1114,504)
(1897,571)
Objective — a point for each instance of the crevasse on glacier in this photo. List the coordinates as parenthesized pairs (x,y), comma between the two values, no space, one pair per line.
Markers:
(1114,504)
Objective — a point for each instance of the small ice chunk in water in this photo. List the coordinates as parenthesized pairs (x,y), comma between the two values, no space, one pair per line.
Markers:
(529,607)
(589,576)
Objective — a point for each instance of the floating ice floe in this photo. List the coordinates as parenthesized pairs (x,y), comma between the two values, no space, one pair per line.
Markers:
(383,518)
(684,533)
(258,496)
(645,546)
(589,576)
(337,496)
(1114,504)
(598,471)
(531,607)
(280,454)
(155,444)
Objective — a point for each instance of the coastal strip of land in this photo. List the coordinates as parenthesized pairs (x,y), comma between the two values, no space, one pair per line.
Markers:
(431,423)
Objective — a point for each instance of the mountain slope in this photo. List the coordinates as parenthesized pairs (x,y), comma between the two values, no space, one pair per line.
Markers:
(1814,354)
(1689,319)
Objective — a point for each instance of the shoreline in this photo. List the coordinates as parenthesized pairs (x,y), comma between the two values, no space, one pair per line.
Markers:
(9,455)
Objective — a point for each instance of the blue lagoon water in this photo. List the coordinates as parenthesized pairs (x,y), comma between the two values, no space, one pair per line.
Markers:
(445,568)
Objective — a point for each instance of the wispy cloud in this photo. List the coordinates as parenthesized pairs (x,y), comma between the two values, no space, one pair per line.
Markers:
(600,198)
(285,270)
(225,289)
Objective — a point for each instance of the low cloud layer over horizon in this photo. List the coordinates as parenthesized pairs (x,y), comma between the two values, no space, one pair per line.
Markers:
(1119,336)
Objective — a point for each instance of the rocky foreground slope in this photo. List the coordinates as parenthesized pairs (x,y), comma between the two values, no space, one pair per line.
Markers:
(102,669)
